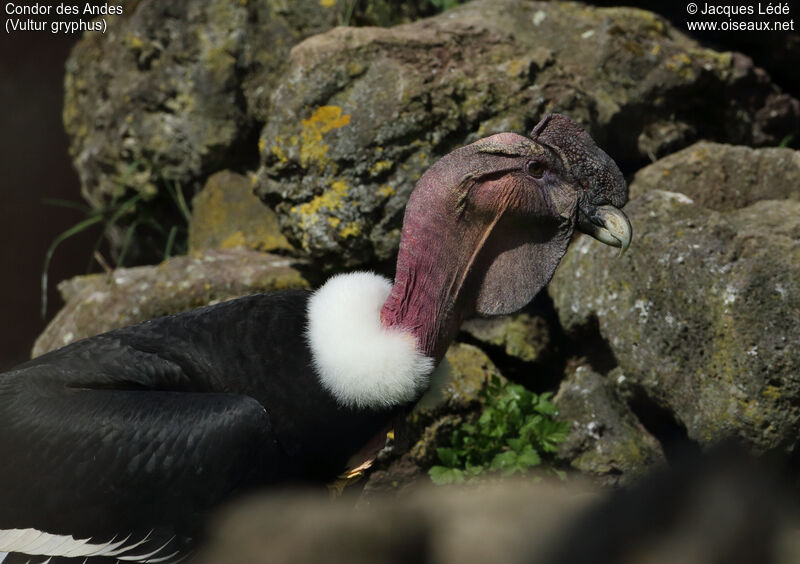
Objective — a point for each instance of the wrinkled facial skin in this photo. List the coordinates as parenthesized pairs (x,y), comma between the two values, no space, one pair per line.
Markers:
(601,187)
(488,223)
(559,169)
(528,184)
(511,177)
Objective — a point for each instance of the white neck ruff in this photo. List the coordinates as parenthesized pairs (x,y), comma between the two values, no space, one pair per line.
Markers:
(359,361)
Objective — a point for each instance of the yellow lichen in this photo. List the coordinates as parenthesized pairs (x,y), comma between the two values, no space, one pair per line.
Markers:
(326,118)
(133,41)
(772,392)
(352,229)
(514,68)
(355,68)
(279,154)
(234,240)
(327,3)
(681,64)
(261,145)
(329,200)
(313,150)
(386,191)
(380,166)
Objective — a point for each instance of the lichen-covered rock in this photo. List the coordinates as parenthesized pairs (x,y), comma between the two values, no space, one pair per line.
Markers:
(98,303)
(362,112)
(522,336)
(724,177)
(456,385)
(226,214)
(777,51)
(176,90)
(606,439)
(702,314)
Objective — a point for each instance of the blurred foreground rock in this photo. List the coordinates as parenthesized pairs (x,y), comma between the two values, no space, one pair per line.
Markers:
(444,525)
(101,302)
(722,509)
(703,314)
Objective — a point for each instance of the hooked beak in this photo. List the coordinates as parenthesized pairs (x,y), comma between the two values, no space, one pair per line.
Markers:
(607,224)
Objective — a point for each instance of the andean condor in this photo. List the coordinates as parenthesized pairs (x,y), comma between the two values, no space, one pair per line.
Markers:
(117,446)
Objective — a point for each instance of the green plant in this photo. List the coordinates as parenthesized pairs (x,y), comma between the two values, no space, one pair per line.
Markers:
(511,435)
(138,210)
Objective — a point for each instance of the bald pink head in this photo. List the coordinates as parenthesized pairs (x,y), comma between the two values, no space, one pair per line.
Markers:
(484,231)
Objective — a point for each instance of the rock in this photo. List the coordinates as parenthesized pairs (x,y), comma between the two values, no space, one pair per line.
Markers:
(511,524)
(98,303)
(702,314)
(226,214)
(175,91)
(606,439)
(347,139)
(724,177)
(522,336)
(715,509)
(777,51)
(454,392)
(722,506)
(457,383)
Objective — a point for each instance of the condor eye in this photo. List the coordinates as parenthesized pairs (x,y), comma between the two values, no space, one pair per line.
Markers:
(535,169)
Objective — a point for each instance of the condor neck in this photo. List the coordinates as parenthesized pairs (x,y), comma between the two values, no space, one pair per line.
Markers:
(434,290)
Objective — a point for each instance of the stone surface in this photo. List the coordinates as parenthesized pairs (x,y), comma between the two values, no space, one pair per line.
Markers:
(724,177)
(605,439)
(522,336)
(98,303)
(457,382)
(506,524)
(776,51)
(702,313)
(454,392)
(717,509)
(174,91)
(226,214)
(347,139)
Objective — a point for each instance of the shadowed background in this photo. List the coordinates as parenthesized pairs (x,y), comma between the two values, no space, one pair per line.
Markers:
(35,165)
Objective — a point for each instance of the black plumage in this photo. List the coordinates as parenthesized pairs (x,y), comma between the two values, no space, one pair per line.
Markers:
(207,401)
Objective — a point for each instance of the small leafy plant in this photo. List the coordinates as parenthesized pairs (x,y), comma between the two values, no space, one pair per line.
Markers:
(139,210)
(512,434)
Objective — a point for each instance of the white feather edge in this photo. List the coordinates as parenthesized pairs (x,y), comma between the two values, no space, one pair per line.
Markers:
(35,542)
(359,361)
